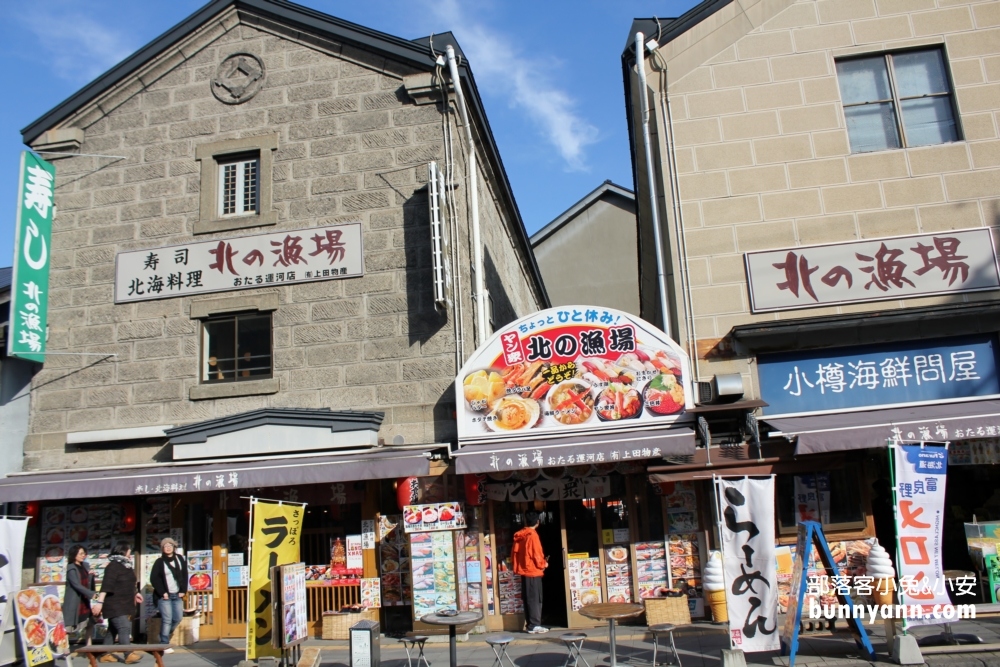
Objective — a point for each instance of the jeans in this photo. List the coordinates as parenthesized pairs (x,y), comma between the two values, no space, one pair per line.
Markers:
(171,613)
(120,628)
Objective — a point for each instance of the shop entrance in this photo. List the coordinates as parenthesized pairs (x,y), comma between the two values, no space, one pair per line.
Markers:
(550,533)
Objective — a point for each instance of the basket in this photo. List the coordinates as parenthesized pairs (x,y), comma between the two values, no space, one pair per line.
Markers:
(668,610)
(337,625)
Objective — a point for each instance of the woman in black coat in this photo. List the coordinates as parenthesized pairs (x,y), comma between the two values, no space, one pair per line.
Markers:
(79,591)
(117,600)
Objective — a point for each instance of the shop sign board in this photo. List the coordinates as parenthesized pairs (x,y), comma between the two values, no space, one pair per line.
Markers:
(902,267)
(748,559)
(572,369)
(920,486)
(879,375)
(275,529)
(262,260)
(29,292)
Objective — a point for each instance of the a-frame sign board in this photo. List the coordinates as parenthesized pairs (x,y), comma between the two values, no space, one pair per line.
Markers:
(811,533)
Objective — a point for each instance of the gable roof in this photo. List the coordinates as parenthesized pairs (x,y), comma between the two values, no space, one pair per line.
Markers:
(415,53)
(607,187)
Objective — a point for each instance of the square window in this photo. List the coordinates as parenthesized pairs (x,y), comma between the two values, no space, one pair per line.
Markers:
(833,498)
(236,347)
(897,99)
(239,184)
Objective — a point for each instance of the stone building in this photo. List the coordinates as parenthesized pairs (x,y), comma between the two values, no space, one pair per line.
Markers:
(272,147)
(826,177)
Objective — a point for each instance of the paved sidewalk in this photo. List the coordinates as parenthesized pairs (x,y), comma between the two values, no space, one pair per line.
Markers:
(698,647)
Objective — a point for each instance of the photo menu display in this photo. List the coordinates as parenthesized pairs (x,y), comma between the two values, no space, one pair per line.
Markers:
(432,560)
(94,526)
(394,563)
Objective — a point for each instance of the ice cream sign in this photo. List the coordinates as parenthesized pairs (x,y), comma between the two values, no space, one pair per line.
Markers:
(570,369)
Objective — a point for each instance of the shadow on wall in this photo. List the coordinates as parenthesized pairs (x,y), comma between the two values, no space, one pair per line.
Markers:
(424,320)
(503,310)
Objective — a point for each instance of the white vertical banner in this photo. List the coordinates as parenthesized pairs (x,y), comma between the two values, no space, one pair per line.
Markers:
(920,478)
(11,551)
(747,526)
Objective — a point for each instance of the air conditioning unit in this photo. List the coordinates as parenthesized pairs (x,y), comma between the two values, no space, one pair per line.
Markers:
(720,389)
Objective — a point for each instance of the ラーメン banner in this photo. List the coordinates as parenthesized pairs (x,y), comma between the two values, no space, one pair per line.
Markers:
(920,478)
(276,530)
(29,291)
(572,369)
(747,507)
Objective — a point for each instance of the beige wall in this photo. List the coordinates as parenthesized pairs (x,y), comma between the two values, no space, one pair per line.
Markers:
(591,258)
(762,149)
(352,146)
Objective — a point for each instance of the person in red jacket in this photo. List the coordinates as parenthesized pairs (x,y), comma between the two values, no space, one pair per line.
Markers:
(530,564)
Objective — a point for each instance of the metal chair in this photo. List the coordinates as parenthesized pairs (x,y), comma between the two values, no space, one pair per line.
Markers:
(499,645)
(574,646)
(664,616)
(415,642)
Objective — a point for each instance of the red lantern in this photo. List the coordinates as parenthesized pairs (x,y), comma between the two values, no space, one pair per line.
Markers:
(32,510)
(475,489)
(407,491)
(128,518)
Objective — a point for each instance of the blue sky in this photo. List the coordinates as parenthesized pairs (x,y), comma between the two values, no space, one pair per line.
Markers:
(549,73)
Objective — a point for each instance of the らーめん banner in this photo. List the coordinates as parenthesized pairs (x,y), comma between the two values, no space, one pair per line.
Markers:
(571,369)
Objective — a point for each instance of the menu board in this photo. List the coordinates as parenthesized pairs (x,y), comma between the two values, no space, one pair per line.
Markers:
(200,570)
(684,560)
(436,516)
(584,581)
(618,571)
(155,527)
(511,600)
(294,628)
(851,559)
(473,565)
(488,572)
(432,562)
(981,451)
(40,622)
(394,561)
(94,527)
(651,563)
(371,593)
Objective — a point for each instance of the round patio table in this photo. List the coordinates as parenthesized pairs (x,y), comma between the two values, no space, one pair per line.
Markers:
(452,622)
(611,612)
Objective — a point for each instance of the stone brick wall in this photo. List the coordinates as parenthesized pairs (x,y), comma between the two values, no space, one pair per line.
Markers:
(762,148)
(352,147)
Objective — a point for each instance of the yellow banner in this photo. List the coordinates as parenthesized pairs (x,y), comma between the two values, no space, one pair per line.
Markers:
(275,537)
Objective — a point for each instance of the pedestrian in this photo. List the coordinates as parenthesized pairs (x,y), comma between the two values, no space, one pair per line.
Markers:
(169,581)
(117,600)
(530,564)
(79,592)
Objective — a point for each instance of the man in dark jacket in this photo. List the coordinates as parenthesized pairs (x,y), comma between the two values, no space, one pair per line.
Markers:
(117,600)
(170,582)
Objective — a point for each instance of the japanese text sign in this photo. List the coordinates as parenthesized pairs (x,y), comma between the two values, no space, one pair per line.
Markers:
(40,623)
(572,369)
(879,375)
(892,268)
(29,290)
(920,479)
(276,531)
(263,260)
(748,539)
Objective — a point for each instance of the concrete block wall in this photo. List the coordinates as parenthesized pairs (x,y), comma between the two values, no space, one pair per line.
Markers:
(352,147)
(763,154)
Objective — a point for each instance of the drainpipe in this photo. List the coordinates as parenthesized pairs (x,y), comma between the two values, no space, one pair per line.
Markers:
(640,64)
(477,246)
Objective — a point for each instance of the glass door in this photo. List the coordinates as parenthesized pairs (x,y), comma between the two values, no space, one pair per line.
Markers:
(581,528)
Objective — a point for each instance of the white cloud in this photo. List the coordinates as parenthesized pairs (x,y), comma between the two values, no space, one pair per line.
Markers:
(502,70)
(78,48)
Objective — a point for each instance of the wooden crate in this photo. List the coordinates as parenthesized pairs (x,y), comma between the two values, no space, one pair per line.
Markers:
(337,625)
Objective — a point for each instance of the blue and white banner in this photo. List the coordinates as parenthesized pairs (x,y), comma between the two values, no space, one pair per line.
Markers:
(879,375)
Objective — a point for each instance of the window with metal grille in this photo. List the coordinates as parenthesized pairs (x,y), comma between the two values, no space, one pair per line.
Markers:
(894,100)
(236,347)
(238,186)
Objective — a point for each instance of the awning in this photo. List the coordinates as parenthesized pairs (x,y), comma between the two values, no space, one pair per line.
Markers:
(185,478)
(874,428)
(575,450)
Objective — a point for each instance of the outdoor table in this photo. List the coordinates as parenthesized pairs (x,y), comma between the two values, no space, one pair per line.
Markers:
(461,618)
(611,612)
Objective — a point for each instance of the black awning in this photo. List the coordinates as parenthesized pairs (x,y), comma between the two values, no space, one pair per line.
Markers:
(186,478)
(610,447)
(875,428)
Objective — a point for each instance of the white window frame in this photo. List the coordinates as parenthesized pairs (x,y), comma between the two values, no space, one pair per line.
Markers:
(240,164)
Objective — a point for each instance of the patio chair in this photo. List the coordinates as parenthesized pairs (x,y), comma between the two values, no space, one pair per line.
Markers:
(663,616)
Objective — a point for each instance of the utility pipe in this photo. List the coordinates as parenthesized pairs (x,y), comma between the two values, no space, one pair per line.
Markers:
(640,64)
(477,246)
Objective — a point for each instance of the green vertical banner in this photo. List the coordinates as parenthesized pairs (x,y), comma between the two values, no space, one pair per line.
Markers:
(32,252)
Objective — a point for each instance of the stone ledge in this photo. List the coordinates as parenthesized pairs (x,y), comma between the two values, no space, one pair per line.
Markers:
(229,224)
(266,301)
(202,392)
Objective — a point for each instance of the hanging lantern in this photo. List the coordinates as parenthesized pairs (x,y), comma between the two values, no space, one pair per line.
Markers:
(407,491)
(128,518)
(475,489)
(32,510)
